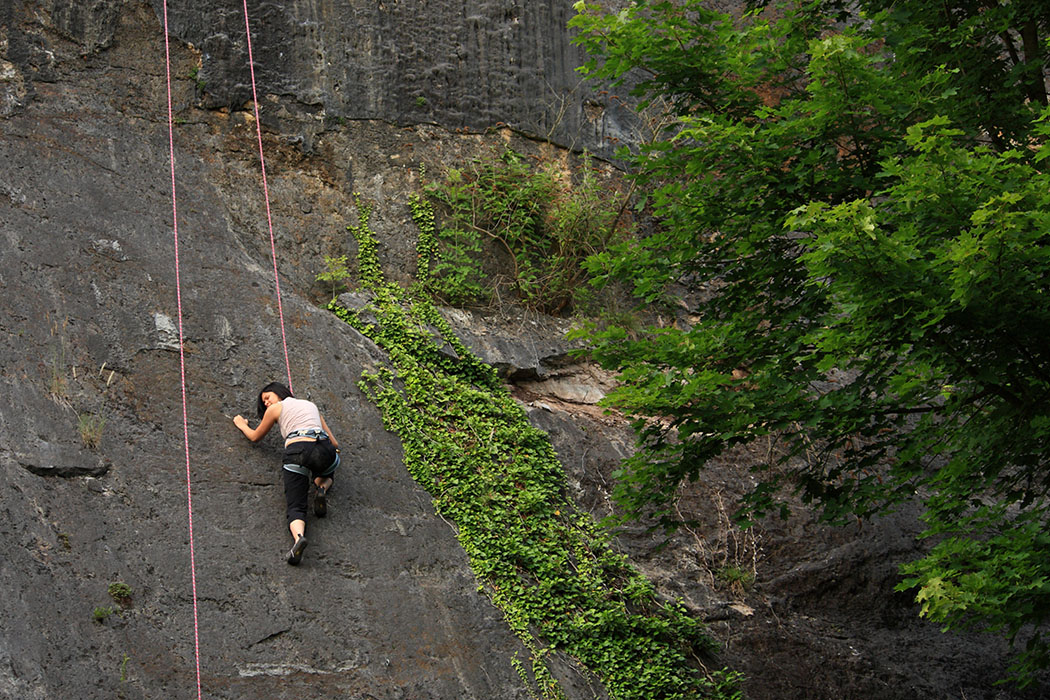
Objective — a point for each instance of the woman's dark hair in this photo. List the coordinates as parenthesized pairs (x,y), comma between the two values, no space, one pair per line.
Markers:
(280,389)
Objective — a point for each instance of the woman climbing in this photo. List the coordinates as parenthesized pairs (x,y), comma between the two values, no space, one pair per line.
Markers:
(309,450)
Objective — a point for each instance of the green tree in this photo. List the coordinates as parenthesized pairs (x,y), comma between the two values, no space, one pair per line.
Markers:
(872,255)
(995,50)
(335,272)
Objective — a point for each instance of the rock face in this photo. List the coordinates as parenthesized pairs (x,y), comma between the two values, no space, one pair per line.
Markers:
(354,97)
(384,604)
(468,66)
(462,65)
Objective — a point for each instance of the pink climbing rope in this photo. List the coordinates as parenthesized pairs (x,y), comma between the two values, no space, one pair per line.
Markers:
(266,195)
(182,356)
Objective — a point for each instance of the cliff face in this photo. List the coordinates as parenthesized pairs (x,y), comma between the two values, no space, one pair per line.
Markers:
(461,65)
(354,96)
(384,604)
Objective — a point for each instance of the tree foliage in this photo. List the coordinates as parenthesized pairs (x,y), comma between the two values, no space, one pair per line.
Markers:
(860,203)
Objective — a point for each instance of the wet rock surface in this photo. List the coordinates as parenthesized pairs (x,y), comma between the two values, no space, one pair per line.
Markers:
(384,604)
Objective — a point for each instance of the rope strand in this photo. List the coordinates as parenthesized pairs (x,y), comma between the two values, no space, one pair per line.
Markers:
(182,355)
(178,297)
(266,195)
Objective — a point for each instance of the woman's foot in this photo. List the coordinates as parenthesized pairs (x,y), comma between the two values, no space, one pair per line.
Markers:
(321,502)
(295,554)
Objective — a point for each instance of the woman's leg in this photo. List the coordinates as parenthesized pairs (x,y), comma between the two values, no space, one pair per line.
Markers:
(295,554)
(329,460)
(321,498)
(296,487)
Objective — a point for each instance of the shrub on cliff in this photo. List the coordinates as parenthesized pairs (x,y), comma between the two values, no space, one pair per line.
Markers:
(542,222)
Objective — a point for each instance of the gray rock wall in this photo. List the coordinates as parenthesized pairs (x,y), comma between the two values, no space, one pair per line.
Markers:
(384,604)
(469,65)
(464,65)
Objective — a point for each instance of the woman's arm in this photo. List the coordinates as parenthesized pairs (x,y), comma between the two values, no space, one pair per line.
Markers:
(268,419)
(335,443)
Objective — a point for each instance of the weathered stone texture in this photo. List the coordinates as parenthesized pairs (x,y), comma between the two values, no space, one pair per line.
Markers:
(470,65)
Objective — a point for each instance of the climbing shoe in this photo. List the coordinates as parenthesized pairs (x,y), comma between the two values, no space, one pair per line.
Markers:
(321,502)
(295,554)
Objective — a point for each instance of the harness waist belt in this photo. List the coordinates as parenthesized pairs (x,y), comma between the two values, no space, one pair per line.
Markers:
(314,433)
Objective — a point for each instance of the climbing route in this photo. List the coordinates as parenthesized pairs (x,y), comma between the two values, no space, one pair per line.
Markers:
(266,195)
(178,297)
(182,354)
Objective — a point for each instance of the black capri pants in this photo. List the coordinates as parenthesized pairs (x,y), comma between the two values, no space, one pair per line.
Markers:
(304,461)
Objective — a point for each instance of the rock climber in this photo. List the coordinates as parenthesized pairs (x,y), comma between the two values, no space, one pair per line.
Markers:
(309,451)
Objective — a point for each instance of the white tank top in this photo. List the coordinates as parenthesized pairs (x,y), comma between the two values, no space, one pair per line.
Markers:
(298,414)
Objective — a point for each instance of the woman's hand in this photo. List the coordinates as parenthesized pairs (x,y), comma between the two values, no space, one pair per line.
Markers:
(268,420)
(242,424)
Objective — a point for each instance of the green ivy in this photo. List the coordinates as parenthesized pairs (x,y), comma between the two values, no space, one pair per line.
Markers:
(542,561)
(367,251)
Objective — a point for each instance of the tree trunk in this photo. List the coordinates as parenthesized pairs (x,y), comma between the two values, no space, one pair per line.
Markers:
(1033,62)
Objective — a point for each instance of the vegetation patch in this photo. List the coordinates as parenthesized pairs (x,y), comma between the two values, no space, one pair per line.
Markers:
(120,592)
(91,426)
(101,612)
(542,561)
(854,198)
(543,221)
(335,272)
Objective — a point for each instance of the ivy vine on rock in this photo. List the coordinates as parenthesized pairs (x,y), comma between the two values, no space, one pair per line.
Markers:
(547,565)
